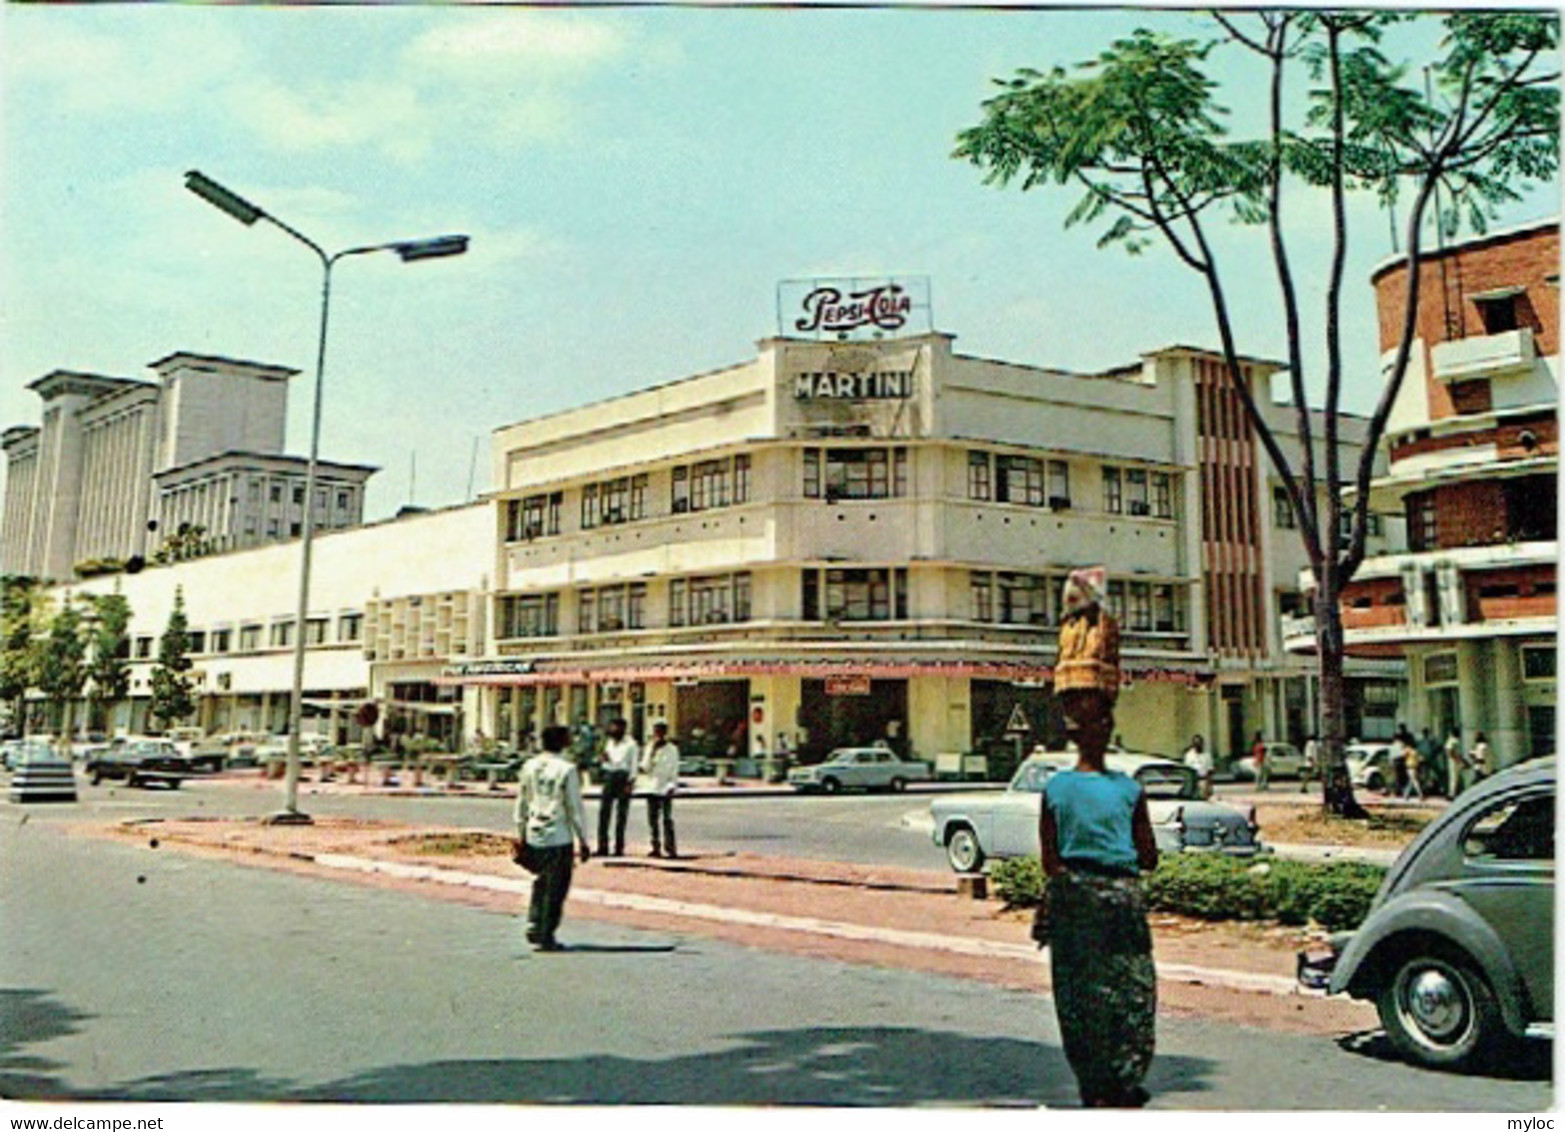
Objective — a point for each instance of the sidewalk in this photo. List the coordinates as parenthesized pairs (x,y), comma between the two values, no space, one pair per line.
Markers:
(905,918)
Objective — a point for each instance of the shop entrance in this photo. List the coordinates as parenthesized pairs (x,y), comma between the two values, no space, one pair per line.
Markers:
(1000,704)
(711,716)
(851,712)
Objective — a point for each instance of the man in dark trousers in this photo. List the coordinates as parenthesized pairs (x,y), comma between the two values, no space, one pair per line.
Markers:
(660,771)
(550,817)
(619,760)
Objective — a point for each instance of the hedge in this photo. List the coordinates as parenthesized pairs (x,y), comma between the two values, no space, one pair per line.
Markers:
(1213,887)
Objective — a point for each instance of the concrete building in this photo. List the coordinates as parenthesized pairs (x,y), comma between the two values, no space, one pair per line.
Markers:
(837,542)
(119,464)
(1473,456)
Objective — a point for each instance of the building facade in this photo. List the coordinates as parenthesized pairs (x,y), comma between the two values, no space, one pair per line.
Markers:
(1473,455)
(119,464)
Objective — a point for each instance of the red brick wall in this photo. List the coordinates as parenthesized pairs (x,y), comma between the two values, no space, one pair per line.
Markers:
(1470,514)
(1447,282)
(1507,439)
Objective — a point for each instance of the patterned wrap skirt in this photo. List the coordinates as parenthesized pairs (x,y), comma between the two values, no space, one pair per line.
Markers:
(1105,986)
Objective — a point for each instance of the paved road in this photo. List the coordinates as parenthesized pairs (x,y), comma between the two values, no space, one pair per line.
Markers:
(134,973)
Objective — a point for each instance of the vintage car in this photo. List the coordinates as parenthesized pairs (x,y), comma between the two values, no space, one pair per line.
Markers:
(859,768)
(140,762)
(1286,760)
(974,828)
(1457,951)
(1369,765)
(1159,777)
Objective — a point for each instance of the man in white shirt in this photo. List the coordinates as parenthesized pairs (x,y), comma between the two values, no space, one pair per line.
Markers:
(549,817)
(1199,759)
(660,771)
(619,760)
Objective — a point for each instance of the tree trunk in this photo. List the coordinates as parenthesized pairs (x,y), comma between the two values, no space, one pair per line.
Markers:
(1336,786)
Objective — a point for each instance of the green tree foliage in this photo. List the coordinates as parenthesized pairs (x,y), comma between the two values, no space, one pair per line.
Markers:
(1140,132)
(108,664)
(18,628)
(187,542)
(62,664)
(172,698)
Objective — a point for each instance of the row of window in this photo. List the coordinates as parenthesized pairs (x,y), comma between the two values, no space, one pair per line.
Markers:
(1283,516)
(1010,598)
(250,638)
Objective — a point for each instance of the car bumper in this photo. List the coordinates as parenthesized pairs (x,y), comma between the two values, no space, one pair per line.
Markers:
(1315,967)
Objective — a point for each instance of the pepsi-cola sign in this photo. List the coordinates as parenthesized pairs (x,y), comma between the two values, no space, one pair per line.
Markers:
(854,309)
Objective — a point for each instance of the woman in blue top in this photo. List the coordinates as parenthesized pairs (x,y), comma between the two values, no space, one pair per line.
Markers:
(1095,837)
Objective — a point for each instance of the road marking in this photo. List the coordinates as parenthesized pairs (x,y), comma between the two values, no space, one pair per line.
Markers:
(925,941)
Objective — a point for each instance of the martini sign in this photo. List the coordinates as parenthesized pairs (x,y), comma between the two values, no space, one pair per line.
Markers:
(856,309)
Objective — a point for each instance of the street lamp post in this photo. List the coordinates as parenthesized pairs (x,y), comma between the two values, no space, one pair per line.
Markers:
(409,251)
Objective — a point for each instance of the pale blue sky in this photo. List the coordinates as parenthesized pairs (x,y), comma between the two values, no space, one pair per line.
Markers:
(636,183)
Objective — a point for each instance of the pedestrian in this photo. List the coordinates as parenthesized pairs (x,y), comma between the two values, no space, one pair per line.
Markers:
(1311,769)
(1429,760)
(1482,758)
(619,760)
(550,818)
(1399,751)
(1262,765)
(660,771)
(1414,770)
(1199,759)
(1095,836)
(1455,764)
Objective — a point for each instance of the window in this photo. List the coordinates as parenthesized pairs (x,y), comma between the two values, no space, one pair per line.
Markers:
(709,600)
(143,647)
(679,500)
(249,638)
(195,641)
(1282,509)
(1116,601)
(1167,616)
(1423,528)
(272,528)
(742,479)
(858,473)
(350,627)
(222,640)
(1517,830)
(533,517)
(709,485)
(899,473)
(978,476)
(676,603)
(315,631)
(320,499)
(255,491)
(812,473)
(530,615)
(1162,495)
(810,598)
(293,530)
(1440,668)
(298,495)
(615,498)
(587,611)
(741,597)
(1023,599)
(1498,313)
(1059,484)
(1113,495)
(1019,479)
(858,595)
(1140,606)
(589,506)
(1136,491)
(342,500)
(981,591)
(638,497)
(282,634)
(636,606)
(276,493)
(1538,662)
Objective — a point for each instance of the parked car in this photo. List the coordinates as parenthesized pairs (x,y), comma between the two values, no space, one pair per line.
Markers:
(238,748)
(1457,951)
(1160,777)
(1286,760)
(1369,765)
(859,768)
(15,750)
(974,828)
(140,762)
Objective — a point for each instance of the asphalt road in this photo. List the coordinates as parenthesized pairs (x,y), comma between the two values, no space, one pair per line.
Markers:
(133,973)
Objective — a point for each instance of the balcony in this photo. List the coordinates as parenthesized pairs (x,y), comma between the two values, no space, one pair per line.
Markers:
(1492,355)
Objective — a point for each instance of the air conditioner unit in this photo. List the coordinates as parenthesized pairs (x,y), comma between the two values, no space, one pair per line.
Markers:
(1060,502)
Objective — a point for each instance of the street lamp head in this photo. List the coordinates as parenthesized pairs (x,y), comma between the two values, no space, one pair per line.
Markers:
(435,247)
(216,195)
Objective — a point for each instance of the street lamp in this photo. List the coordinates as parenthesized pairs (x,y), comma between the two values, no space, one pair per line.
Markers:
(409,251)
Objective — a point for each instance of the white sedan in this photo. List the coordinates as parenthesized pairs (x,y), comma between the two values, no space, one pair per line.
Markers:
(859,768)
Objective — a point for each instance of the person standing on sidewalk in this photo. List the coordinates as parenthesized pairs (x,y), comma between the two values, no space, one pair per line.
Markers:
(1415,771)
(550,818)
(1199,759)
(1311,768)
(1095,836)
(660,771)
(1455,765)
(618,762)
(1262,765)
(1482,758)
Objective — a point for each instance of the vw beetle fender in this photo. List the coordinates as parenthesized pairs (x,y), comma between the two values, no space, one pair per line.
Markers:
(1428,912)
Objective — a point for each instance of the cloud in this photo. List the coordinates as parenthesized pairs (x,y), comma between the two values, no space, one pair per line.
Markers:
(392,117)
(530,45)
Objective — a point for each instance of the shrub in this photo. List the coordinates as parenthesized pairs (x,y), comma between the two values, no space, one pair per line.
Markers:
(1213,887)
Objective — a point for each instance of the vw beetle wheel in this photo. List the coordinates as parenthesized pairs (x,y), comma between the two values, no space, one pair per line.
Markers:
(1439,1012)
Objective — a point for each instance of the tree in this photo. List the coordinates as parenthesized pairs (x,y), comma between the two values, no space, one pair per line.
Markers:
(62,666)
(18,654)
(172,700)
(108,665)
(1140,131)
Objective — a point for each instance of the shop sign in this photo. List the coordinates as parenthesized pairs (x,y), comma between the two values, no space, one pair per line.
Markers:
(500,667)
(847,685)
(854,309)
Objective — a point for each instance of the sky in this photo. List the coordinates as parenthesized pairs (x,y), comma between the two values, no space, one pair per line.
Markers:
(636,182)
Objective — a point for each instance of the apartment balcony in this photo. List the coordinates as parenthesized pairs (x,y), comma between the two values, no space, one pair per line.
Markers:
(1489,356)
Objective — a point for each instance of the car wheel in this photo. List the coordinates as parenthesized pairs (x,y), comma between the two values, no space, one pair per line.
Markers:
(963,851)
(1439,1012)
(830,785)
(130,778)
(1373,781)
(97,776)
(898,785)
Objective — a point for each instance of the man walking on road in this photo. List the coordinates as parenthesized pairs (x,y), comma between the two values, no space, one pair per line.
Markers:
(621,755)
(550,817)
(1455,765)
(660,766)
